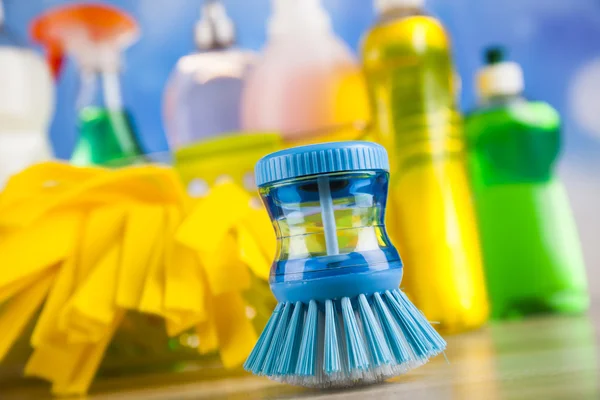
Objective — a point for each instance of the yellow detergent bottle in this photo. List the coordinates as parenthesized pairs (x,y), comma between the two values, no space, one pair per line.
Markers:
(409,71)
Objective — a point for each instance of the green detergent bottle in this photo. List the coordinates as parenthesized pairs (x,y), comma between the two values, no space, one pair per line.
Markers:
(531,249)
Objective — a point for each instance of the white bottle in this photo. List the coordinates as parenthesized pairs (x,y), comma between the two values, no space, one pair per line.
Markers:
(26,106)
(203,95)
(307,79)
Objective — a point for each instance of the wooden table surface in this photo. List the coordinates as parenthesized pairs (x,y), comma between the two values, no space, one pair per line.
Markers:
(542,358)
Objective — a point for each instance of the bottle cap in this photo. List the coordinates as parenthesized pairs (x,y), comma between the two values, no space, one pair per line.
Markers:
(499,77)
(386,5)
(321,158)
(214,30)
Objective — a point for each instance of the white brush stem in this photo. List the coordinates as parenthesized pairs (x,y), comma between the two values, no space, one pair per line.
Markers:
(328,216)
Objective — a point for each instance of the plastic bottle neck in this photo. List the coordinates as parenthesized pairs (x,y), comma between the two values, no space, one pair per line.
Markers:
(499,100)
(399,8)
(500,80)
(101,89)
(302,19)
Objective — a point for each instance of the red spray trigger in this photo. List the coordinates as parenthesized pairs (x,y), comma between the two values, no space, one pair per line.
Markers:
(57,27)
(55,59)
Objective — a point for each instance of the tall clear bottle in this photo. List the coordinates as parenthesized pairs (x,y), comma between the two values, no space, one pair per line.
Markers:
(408,65)
(533,258)
(94,35)
(26,105)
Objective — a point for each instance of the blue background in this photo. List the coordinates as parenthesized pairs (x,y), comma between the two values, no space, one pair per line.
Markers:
(551,39)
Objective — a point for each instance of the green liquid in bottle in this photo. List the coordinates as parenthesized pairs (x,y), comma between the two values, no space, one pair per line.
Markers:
(531,249)
(106,137)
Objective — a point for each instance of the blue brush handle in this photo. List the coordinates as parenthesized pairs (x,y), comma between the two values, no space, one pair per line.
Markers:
(344,275)
(338,286)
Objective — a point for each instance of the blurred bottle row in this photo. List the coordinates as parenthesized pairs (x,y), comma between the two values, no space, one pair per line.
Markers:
(476,208)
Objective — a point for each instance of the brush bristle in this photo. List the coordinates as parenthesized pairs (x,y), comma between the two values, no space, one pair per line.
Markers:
(344,342)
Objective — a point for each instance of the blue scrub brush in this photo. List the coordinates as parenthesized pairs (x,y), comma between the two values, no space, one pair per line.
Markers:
(341,319)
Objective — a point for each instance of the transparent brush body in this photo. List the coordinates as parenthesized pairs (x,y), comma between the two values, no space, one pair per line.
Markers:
(330,225)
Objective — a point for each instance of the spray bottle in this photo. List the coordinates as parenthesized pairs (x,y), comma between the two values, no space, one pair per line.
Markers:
(94,35)
(307,80)
(408,65)
(26,105)
(531,249)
